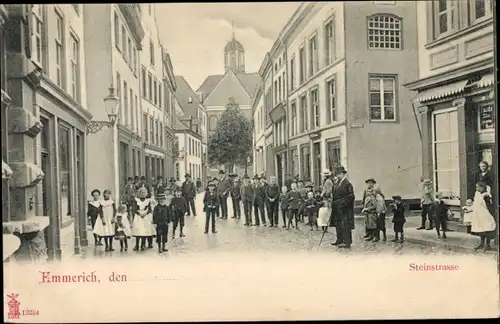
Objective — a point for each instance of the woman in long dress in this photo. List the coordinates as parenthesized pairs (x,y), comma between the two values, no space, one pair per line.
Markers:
(94,211)
(143,219)
(105,226)
(481,218)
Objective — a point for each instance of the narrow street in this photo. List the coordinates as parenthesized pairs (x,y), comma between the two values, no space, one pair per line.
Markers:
(233,237)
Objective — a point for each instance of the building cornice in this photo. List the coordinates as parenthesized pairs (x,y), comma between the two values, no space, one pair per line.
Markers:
(446,76)
(297,18)
(266,64)
(133,19)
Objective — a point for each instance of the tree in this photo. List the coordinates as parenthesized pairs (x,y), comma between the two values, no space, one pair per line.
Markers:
(231,143)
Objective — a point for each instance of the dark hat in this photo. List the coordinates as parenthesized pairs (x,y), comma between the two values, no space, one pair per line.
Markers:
(370,180)
(340,169)
(130,178)
(159,178)
(246,177)
(309,186)
(299,180)
(187,175)
(221,172)
(172,179)
(211,184)
(177,188)
(232,175)
(396,197)
(143,178)
(136,177)
(262,177)
(161,196)
(256,177)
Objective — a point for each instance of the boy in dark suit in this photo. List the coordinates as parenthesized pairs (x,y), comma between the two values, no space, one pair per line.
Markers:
(294,204)
(398,219)
(211,204)
(247,197)
(439,213)
(161,219)
(236,197)
(259,200)
(179,208)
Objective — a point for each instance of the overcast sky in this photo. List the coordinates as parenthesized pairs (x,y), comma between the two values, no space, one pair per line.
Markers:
(195,34)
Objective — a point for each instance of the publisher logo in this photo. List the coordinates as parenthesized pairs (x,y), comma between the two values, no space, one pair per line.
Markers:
(13,305)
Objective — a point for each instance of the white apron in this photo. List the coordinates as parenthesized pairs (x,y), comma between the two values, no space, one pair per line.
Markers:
(480,218)
(143,226)
(126,224)
(323,216)
(108,213)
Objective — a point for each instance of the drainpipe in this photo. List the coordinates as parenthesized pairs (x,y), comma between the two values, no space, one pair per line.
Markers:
(417,121)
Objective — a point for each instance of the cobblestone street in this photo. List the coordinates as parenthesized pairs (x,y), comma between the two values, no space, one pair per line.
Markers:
(233,237)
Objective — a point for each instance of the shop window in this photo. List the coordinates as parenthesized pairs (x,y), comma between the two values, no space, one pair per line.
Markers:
(64,171)
(485,118)
(382,98)
(446,154)
(306,162)
(384,32)
(333,151)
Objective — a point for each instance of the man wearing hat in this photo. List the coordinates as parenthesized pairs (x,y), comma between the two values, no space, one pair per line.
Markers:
(288,181)
(128,193)
(327,185)
(211,205)
(160,186)
(272,196)
(189,193)
(342,217)
(259,201)
(246,191)
(223,191)
(370,184)
(426,202)
(162,216)
(236,197)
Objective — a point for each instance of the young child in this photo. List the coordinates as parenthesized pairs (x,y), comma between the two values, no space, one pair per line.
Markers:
(310,210)
(284,204)
(179,209)
(211,205)
(122,227)
(324,214)
(467,214)
(370,210)
(398,218)
(440,214)
(305,197)
(317,196)
(381,211)
(294,204)
(483,223)
(161,219)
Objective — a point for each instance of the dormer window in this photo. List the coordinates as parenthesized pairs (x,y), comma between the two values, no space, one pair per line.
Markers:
(190,100)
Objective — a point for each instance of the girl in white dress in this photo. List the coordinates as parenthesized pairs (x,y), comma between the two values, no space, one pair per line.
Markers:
(324,214)
(142,226)
(105,226)
(122,228)
(481,218)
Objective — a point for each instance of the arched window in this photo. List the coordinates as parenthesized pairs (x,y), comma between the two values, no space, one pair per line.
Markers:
(212,122)
(384,32)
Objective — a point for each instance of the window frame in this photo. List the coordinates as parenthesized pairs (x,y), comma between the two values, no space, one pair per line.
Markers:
(151,130)
(332,112)
(381,78)
(151,52)
(150,87)
(330,49)
(124,43)
(144,79)
(75,67)
(479,108)
(59,48)
(313,62)
(38,20)
(327,147)
(145,127)
(315,108)
(454,202)
(303,161)
(302,64)
(452,26)
(304,113)
(116,26)
(488,8)
(382,32)
(294,119)
(292,73)
(125,103)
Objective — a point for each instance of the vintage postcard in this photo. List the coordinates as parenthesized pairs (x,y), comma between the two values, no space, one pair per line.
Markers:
(174,162)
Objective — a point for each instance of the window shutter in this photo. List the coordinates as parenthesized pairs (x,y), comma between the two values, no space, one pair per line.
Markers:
(429,7)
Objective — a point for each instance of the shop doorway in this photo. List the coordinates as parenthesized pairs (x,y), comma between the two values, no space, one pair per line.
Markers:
(317,164)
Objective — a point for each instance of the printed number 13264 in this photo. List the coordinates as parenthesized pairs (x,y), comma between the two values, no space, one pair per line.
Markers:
(30,312)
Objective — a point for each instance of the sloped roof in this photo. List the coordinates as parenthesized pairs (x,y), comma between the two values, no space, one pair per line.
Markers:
(233,45)
(250,81)
(209,84)
(178,125)
(182,94)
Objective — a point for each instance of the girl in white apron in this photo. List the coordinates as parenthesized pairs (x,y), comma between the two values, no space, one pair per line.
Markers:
(105,226)
(481,218)
(143,219)
(324,214)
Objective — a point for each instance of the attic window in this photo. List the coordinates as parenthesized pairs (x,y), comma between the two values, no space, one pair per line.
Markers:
(190,100)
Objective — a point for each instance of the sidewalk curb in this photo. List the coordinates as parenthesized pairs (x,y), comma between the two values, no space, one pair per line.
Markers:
(440,245)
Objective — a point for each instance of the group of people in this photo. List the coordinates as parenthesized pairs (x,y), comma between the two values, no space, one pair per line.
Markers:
(144,213)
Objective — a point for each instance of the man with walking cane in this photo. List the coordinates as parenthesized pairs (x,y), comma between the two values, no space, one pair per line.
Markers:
(342,215)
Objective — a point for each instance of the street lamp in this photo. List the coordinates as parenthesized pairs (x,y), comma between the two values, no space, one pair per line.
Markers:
(111,104)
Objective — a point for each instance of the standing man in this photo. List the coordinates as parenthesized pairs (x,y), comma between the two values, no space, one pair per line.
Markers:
(223,191)
(236,198)
(189,193)
(272,197)
(288,181)
(128,193)
(343,210)
(259,200)
(198,184)
(426,202)
(137,182)
(247,197)
(160,187)
(211,203)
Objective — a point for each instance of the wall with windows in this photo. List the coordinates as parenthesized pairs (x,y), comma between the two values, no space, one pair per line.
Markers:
(456,33)
(259,138)
(382,136)
(190,152)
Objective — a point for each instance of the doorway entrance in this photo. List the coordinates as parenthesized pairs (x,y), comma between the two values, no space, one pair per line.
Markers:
(317,164)
(279,167)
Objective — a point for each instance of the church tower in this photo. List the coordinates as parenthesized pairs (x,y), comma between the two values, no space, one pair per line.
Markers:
(234,56)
